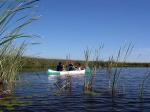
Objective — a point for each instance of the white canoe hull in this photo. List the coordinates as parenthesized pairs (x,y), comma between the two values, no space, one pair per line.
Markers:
(75,72)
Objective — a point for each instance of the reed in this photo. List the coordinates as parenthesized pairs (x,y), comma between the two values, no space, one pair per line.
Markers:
(10,52)
(141,91)
(96,58)
(96,65)
(112,66)
(10,63)
(89,77)
(87,54)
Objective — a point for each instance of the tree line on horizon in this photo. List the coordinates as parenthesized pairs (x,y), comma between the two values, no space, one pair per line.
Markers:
(41,64)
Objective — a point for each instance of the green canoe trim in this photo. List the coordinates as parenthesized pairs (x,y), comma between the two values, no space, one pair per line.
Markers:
(53,73)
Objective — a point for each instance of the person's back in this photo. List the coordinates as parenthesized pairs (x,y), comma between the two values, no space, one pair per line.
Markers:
(59,67)
(79,66)
(71,67)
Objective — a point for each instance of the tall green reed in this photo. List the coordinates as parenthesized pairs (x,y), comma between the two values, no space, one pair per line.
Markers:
(94,65)
(10,63)
(142,85)
(11,26)
(87,54)
(115,66)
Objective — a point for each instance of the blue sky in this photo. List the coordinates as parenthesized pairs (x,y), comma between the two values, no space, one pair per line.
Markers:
(69,26)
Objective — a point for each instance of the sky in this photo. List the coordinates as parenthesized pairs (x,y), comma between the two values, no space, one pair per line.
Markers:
(68,27)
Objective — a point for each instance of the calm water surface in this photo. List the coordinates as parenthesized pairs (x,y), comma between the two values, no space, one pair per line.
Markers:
(35,93)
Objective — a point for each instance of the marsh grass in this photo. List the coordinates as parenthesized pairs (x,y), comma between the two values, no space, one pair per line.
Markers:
(10,52)
(94,66)
(113,70)
(141,89)
(87,54)
(10,62)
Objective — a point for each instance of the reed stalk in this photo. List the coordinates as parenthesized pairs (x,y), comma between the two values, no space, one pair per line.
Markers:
(141,93)
(10,52)
(11,64)
(87,54)
(89,78)
(112,67)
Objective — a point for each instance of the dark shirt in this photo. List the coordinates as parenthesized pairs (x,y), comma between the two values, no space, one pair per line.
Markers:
(59,68)
(71,67)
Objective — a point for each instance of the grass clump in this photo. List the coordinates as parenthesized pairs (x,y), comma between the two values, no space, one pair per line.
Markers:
(11,26)
(10,63)
(112,66)
(91,68)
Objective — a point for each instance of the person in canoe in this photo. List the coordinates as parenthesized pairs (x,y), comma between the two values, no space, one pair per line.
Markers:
(59,67)
(70,66)
(78,66)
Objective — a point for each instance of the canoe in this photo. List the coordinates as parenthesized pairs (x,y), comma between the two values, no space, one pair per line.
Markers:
(75,72)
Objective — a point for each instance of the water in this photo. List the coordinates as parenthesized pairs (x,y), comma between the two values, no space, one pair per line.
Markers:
(35,93)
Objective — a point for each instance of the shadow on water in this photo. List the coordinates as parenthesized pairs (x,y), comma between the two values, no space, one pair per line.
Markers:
(35,92)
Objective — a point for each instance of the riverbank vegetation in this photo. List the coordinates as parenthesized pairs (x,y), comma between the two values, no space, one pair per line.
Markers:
(12,23)
(41,64)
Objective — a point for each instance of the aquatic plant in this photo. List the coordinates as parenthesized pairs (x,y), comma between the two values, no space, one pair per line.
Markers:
(87,53)
(112,66)
(96,58)
(10,52)
(10,63)
(94,65)
(141,90)
(11,102)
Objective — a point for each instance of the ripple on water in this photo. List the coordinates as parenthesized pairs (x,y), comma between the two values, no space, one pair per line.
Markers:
(36,94)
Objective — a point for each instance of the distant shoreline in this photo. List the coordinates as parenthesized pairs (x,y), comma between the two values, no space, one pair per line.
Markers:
(39,64)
